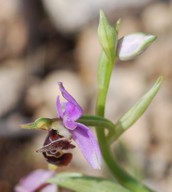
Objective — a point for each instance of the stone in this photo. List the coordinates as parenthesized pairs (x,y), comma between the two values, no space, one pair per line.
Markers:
(70,16)
(157,59)
(12,79)
(126,87)
(137,136)
(161,120)
(49,91)
(87,54)
(13,32)
(32,98)
(9,9)
(156,18)
(129,24)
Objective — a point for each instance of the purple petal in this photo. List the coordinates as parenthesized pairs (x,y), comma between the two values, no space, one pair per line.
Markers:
(34,180)
(88,144)
(73,110)
(69,123)
(50,188)
(59,108)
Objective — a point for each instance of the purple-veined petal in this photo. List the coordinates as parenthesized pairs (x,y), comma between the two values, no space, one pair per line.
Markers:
(73,110)
(69,123)
(88,144)
(50,188)
(34,180)
(59,108)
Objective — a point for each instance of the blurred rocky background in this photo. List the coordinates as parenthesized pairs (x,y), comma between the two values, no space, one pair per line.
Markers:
(42,42)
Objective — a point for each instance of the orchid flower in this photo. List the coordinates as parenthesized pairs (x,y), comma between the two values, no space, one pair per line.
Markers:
(63,129)
(70,112)
(36,181)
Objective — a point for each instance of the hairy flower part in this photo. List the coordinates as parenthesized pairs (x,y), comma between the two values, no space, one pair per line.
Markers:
(36,181)
(70,112)
(53,149)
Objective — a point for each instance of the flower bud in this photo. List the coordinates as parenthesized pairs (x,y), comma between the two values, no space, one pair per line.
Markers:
(133,44)
(107,37)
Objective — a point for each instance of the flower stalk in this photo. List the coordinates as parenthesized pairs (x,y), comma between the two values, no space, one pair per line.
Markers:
(105,67)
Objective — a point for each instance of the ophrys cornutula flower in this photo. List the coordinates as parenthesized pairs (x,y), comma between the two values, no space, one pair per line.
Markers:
(63,129)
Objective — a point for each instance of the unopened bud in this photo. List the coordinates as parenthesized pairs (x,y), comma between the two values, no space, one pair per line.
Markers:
(133,44)
(107,37)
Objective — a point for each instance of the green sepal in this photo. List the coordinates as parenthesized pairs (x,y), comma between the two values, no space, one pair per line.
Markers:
(41,123)
(129,118)
(80,183)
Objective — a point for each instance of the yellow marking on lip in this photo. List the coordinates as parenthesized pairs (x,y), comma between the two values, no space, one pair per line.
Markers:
(52,167)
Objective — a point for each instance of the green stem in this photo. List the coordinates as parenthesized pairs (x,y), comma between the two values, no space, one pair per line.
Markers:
(108,36)
(123,177)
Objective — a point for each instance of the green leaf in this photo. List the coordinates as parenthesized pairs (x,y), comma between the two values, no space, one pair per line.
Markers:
(94,120)
(129,118)
(82,183)
(107,37)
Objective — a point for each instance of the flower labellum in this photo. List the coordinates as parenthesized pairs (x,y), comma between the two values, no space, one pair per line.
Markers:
(52,149)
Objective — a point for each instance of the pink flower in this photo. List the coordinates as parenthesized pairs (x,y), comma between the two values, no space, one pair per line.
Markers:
(59,141)
(36,181)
